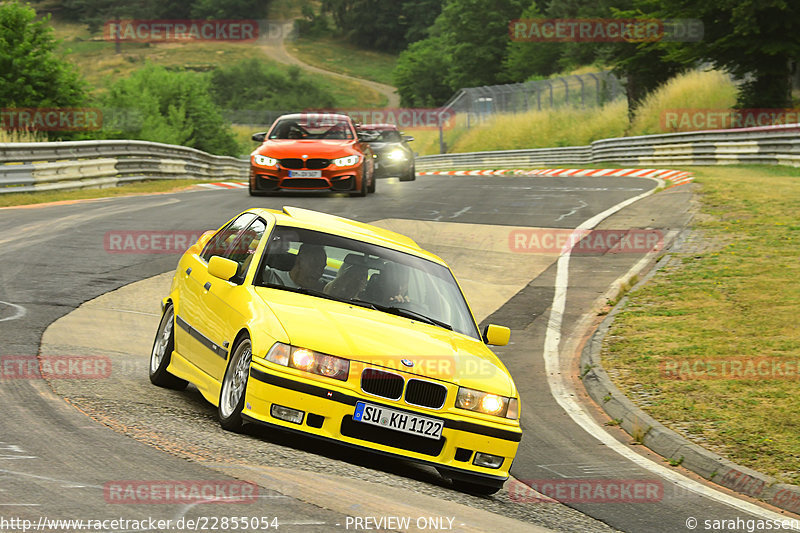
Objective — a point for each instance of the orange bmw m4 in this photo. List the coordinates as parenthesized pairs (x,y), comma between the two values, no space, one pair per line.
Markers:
(312,152)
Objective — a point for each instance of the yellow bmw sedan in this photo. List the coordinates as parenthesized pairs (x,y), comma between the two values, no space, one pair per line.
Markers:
(343,331)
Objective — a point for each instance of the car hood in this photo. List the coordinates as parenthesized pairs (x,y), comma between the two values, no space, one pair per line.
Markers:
(324,148)
(369,336)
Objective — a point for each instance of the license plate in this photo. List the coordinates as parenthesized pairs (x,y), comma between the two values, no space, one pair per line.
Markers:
(305,173)
(398,420)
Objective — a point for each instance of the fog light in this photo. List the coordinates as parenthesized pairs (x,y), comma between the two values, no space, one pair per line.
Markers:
(284,413)
(489,461)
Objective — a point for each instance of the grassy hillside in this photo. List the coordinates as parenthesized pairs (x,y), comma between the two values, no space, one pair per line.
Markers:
(339,56)
(99,63)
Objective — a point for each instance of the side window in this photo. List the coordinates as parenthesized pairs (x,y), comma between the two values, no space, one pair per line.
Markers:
(226,237)
(245,247)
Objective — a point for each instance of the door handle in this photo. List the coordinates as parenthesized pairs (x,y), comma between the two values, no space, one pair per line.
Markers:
(188,271)
(207,286)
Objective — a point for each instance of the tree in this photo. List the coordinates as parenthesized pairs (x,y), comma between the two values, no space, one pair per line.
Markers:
(466,48)
(756,40)
(227,9)
(418,75)
(96,13)
(31,73)
(526,59)
(389,26)
(155,104)
(475,33)
(417,17)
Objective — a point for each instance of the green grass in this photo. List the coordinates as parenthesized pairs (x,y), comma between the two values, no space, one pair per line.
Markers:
(731,296)
(144,187)
(339,56)
(99,63)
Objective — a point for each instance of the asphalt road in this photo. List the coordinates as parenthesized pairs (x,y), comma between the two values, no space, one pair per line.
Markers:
(55,461)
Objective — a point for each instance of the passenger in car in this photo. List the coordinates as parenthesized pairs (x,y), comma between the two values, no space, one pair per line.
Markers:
(350,280)
(388,287)
(307,270)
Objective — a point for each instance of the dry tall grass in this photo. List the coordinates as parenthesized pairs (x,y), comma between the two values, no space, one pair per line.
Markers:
(546,128)
(694,90)
(21,136)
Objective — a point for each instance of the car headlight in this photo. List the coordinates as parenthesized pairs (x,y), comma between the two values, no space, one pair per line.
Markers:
(265,161)
(490,404)
(396,155)
(348,161)
(306,360)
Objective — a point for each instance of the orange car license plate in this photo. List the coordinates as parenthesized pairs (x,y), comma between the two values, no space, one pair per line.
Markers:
(305,173)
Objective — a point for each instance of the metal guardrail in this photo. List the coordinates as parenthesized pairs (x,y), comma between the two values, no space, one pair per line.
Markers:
(29,167)
(767,145)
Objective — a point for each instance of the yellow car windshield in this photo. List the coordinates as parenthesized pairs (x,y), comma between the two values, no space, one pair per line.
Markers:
(344,269)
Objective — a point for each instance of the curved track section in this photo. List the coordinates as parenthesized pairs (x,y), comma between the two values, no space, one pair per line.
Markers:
(56,259)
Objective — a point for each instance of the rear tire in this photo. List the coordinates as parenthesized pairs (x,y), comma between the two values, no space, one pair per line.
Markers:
(161,354)
(234,387)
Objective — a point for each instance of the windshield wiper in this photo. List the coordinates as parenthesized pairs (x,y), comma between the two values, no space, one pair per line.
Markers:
(402,311)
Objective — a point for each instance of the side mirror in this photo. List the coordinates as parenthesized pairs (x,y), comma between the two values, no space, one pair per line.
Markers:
(408,138)
(496,335)
(259,137)
(222,268)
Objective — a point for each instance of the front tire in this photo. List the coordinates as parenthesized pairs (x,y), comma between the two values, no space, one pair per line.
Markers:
(234,387)
(411,175)
(161,354)
(363,191)
(371,186)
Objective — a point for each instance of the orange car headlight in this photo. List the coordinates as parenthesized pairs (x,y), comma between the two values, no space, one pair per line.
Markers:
(307,360)
(265,161)
(348,161)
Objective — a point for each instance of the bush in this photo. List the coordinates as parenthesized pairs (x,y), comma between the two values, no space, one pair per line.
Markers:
(155,104)
(250,84)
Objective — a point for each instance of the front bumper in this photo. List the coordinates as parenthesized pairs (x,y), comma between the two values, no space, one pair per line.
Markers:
(392,167)
(329,415)
(270,180)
